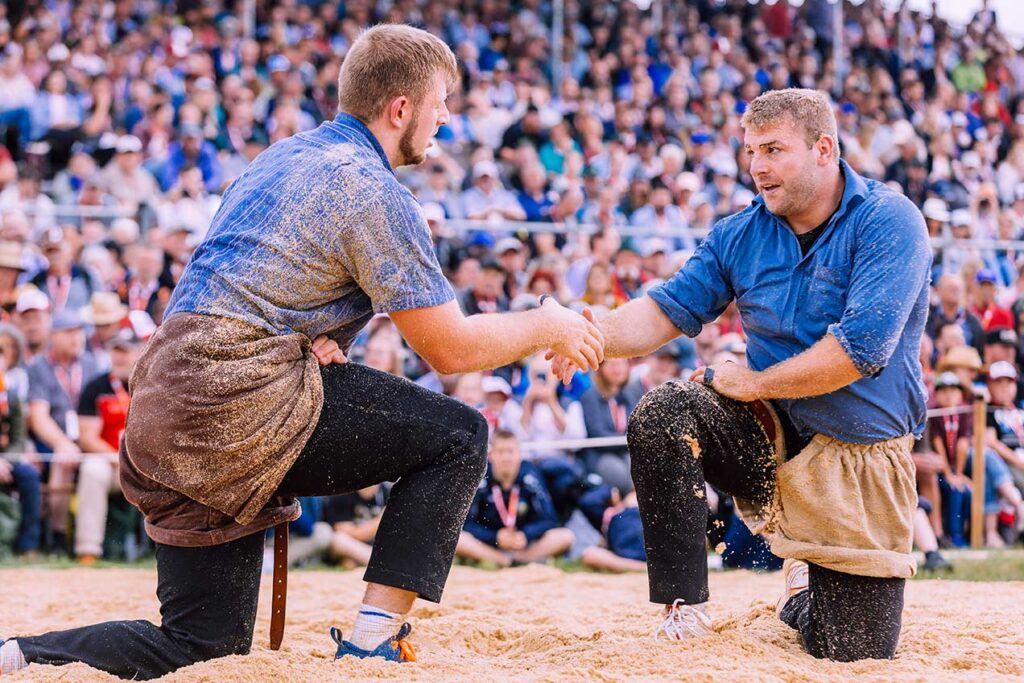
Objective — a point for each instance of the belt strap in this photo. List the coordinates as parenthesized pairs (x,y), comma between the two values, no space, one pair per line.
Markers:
(280,592)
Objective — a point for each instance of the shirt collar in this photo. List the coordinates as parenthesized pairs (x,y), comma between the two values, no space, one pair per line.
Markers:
(351,123)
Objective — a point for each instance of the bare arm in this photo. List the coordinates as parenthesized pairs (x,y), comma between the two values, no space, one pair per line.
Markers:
(635,329)
(90,427)
(1004,451)
(40,422)
(821,369)
(452,342)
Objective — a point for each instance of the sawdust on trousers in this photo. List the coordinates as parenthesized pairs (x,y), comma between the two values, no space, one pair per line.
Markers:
(538,623)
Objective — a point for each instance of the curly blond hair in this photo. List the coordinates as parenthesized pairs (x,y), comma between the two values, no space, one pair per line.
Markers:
(808,109)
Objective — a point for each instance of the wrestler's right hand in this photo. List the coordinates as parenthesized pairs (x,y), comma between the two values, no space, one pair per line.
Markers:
(577,338)
(327,351)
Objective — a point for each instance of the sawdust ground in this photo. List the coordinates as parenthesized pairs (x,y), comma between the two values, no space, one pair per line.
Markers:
(538,623)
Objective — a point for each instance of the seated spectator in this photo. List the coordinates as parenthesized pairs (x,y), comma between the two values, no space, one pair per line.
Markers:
(512,519)
(622,532)
(192,150)
(965,363)
(56,381)
(67,285)
(606,408)
(599,291)
(33,320)
(488,201)
(354,518)
(951,435)
(12,265)
(501,410)
(146,285)
(105,313)
(102,411)
(17,476)
(308,536)
(546,416)
(628,276)
(487,295)
(1004,427)
(188,205)
(657,368)
(985,308)
(951,309)
(126,180)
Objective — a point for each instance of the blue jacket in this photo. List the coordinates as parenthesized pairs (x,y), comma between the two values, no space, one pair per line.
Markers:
(536,513)
(865,281)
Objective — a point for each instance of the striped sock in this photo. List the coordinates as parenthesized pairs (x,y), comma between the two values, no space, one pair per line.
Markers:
(11,659)
(373,626)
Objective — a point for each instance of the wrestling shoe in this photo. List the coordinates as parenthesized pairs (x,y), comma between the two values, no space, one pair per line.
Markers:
(394,649)
(796,574)
(684,621)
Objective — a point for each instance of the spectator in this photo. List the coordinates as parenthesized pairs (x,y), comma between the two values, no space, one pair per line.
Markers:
(56,380)
(15,474)
(985,309)
(488,294)
(192,150)
(33,320)
(354,519)
(105,313)
(951,309)
(487,200)
(102,411)
(126,180)
(606,408)
(68,286)
(622,532)
(546,416)
(511,519)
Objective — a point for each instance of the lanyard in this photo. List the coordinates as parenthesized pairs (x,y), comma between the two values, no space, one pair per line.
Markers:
(119,391)
(618,413)
(59,289)
(508,514)
(71,382)
(138,296)
(952,428)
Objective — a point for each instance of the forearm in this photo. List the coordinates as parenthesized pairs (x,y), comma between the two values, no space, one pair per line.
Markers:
(636,329)
(48,431)
(961,456)
(821,369)
(490,341)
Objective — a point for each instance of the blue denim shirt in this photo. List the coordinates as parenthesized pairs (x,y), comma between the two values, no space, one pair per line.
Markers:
(865,281)
(314,237)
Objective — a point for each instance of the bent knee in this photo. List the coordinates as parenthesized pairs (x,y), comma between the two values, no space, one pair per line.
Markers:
(669,402)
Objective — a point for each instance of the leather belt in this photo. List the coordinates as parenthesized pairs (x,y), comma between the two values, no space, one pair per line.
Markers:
(279,595)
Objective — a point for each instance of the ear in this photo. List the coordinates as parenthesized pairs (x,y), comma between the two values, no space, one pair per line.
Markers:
(825,147)
(399,111)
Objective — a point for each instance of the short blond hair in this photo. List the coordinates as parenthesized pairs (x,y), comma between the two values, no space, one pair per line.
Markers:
(390,60)
(808,109)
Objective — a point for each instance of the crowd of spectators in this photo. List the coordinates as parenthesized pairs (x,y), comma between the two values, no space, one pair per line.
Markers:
(122,122)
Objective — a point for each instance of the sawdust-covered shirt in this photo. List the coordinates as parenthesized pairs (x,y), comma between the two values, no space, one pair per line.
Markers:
(315,237)
(865,281)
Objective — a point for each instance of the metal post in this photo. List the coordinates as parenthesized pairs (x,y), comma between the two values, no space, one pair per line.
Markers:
(837,49)
(557,31)
(978,475)
(249,18)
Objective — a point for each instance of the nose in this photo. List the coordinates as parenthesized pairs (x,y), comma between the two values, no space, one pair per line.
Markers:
(442,118)
(758,166)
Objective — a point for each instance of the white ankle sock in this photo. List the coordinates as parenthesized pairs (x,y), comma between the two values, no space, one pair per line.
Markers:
(11,659)
(373,626)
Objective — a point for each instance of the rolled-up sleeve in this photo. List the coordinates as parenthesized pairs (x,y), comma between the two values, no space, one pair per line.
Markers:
(890,270)
(699,291)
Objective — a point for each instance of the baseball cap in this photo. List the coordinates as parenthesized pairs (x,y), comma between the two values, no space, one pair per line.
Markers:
(67,319)
(485,168)
(701,137)
(960,218)
(986,275)
(971,159)
(958,119)
(654,245)
(688,180)
(948,379)
(1002,369)
(935,209)
(496,385)
(277,63)
(31,299)
(1002,335)
(507,244)
(432,211)
(128,143)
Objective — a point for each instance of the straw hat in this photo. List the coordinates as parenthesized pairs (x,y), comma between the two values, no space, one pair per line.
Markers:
(105,308)
(10,255)
(960,357)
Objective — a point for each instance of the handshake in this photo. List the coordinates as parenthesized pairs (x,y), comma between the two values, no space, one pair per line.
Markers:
(576,340)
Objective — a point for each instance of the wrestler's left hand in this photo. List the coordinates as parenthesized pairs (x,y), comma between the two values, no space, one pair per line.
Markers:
(732,380)
(327,351)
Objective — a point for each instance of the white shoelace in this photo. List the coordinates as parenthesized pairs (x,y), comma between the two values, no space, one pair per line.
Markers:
(684,621)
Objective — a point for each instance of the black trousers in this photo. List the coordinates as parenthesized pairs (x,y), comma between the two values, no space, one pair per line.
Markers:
(374,427)
(841,617)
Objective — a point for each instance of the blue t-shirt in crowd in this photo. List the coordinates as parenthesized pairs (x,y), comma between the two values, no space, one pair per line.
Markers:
(315,237)
(865,281)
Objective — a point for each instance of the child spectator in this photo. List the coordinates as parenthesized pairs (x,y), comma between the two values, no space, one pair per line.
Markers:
(622,532)
(16,476)
(512,519)
(354,518)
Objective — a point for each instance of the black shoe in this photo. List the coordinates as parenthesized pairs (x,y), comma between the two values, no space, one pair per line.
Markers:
(935,562)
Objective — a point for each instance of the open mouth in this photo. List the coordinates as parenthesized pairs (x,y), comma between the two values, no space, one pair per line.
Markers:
(768,188)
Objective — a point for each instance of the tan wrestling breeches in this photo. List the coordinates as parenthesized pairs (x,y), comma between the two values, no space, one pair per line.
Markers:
(847,507)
